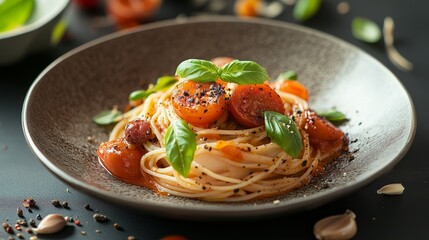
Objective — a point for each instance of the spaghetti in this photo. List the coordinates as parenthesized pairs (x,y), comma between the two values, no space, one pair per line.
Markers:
(231,162)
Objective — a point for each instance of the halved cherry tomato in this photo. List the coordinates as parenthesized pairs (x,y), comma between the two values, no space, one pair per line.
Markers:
(200,104)
(321,130)
(295,88)
(249,102)
(121,159)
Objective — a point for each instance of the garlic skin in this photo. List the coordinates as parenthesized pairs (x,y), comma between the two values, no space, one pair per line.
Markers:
(391,189)
(51,224)
(337,227)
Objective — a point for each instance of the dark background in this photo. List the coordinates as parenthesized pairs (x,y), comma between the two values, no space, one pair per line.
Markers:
(378,217)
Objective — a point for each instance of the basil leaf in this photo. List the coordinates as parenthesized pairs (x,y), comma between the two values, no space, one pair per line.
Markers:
(333,115)
(306,9)
(365,30)
(288,75)
(14,13)
(198,70)
(283,132)
(107,117)
(180,145)
(162,83)
(244,72)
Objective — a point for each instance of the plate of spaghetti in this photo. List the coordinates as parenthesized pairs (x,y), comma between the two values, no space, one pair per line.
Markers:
(256,118)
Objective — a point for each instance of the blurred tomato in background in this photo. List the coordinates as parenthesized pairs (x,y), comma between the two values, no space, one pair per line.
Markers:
(87,4)
(130,13)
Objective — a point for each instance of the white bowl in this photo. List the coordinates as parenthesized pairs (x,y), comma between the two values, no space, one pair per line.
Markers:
(42,31)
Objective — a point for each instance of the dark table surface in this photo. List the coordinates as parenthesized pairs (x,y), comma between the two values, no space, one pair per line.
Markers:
(378,217)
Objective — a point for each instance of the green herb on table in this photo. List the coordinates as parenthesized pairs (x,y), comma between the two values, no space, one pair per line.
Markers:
(14,13)
(365,30)
(306,9)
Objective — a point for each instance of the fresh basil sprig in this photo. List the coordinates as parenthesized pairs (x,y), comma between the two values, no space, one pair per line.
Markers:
(333,115)
(243,72)
(306,9)
(162,83)
(365,30)
(288,75)
(240,72)
(283,132)
(108,117)
(198,70)
(180,144)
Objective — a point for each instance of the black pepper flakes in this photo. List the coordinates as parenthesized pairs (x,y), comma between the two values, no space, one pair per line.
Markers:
(304,163)
(56,203)
(117,226)
(22,222)
(19,212)
(65,205)
(9,230)
(38,217)
(100,218)
(87,207)
(5,225)
(32,222)
(28,202)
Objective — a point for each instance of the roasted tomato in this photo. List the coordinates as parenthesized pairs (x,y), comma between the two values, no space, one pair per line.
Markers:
(200,104)
(320,129)
(249,102)
(121,159)
(295,88)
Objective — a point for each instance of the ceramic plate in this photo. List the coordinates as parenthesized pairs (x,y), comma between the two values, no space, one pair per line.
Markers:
(58,110)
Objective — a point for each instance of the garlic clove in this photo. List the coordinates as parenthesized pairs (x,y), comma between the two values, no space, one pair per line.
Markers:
(51,224)
(337,227)
(391,189)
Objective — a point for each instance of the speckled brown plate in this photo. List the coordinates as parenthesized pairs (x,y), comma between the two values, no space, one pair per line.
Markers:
(60,104)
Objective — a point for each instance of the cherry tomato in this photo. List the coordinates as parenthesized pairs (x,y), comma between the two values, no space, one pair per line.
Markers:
(249,102)
(295,88)
(121,159)
(247,8)
(200,104)
(321,130)
(130,13)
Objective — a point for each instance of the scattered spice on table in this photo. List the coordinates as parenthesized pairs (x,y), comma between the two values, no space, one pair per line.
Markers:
(56,202)
(65,205)
(19,212)
(29,202)
(100,217)
(32,222)
(87,207)
(38,217)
